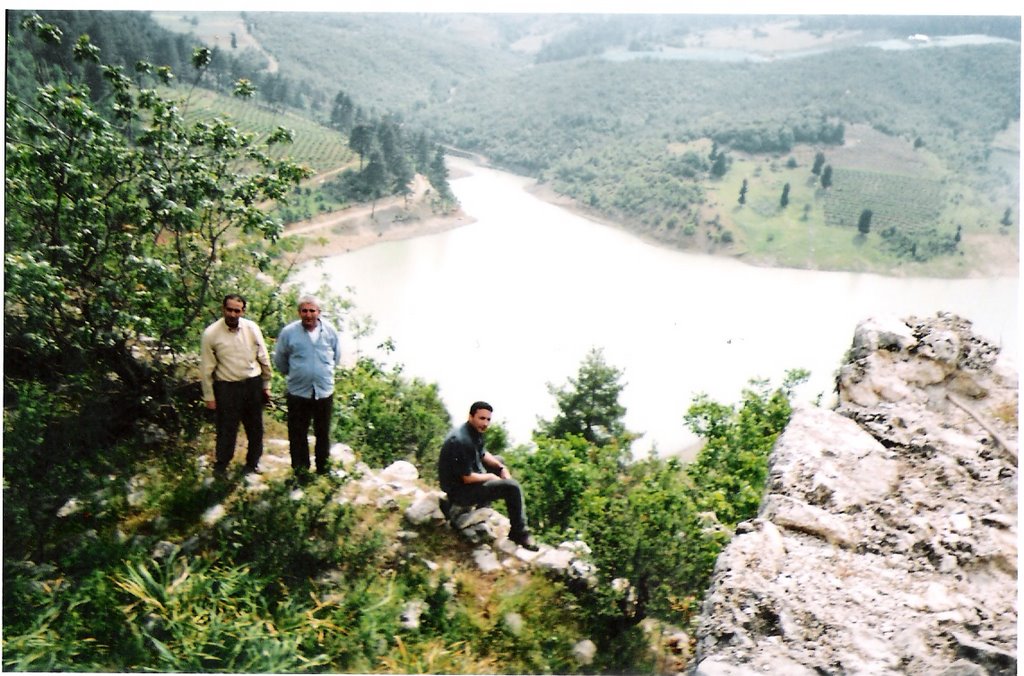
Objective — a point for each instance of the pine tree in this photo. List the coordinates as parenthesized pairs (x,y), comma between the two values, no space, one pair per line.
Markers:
(360,139)
(720,166)
(784,200)
(438,175)
(826,176)
(819,161)
(588,405)
(864,224)
(743,192)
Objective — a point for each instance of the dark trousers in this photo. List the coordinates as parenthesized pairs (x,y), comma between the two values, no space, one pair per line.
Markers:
(300,412)
(508,490)
(239,402)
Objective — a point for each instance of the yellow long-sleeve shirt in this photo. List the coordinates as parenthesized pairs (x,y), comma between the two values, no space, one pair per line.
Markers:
(232,355)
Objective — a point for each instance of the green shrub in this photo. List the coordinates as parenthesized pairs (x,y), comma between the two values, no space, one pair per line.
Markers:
(385,416)
(730,470)
(293,539)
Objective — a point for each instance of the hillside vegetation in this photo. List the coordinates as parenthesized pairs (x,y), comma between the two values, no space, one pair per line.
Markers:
(129,216)
(607,111)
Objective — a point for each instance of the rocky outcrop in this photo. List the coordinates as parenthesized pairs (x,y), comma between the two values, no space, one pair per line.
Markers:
(886,542)
(483,527)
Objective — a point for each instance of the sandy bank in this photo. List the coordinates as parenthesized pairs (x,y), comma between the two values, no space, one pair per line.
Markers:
(339,237)
(364,225)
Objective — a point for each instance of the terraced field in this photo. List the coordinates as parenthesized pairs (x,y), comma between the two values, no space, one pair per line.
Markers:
(320,148)
(905,202)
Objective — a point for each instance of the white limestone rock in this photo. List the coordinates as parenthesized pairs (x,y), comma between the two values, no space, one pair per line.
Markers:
(886,541)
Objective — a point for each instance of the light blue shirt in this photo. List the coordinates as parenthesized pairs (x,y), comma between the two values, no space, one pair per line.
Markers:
(308,364)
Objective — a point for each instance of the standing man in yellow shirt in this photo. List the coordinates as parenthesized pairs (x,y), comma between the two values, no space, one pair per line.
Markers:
(235,370)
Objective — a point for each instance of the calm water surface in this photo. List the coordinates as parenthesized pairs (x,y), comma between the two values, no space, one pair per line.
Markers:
(497,309)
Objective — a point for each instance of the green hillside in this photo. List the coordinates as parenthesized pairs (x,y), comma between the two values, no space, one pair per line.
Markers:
(597,106)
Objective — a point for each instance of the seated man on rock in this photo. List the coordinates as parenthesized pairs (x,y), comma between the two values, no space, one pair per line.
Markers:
(472,476)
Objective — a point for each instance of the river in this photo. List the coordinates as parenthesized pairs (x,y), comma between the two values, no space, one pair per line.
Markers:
(499,308)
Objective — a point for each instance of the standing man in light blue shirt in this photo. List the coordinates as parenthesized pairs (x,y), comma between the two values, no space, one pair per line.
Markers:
(308,351)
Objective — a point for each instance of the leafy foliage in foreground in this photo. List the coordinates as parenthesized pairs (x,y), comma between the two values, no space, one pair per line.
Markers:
(389,417)
(125,225)
(280,584)
(654,525)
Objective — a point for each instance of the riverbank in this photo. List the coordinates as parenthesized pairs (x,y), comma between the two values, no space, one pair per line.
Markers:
(390,219)
(345,233)
(395,219)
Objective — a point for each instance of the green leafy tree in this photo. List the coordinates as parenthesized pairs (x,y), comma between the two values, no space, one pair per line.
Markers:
(121,235)
(385,416)
(438,173)
(588,405)
(555,476)
(374,177)
(401,174)
(639,529)
(421,153)
(720,166)
(360,139)
(730,470)
(343,113)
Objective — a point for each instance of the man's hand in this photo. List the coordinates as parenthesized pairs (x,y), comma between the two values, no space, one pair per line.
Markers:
(211,404)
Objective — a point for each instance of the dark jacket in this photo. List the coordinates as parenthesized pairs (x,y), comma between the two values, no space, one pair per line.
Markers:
(461,454)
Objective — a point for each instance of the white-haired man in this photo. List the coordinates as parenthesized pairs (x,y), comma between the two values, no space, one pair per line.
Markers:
(308,351)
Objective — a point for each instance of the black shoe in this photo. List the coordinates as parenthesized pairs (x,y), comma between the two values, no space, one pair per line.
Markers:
(322,470)
(220,472)
(249,469)
(525,540)
(446,508)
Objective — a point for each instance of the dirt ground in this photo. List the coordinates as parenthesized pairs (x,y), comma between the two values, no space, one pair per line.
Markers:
(364,225)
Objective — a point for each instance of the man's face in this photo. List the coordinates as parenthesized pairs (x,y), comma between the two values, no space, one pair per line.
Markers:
(480,420)
(233,309)
(310,314)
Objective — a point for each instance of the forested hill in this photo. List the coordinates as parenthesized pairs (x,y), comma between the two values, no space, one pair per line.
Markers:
(820,141)
(626,115)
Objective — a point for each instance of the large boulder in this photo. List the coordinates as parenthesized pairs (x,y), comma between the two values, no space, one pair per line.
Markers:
(886,541)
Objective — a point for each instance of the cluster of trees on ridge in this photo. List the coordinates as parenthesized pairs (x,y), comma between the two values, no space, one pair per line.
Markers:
(125,38)
(387,159)
(126,223)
